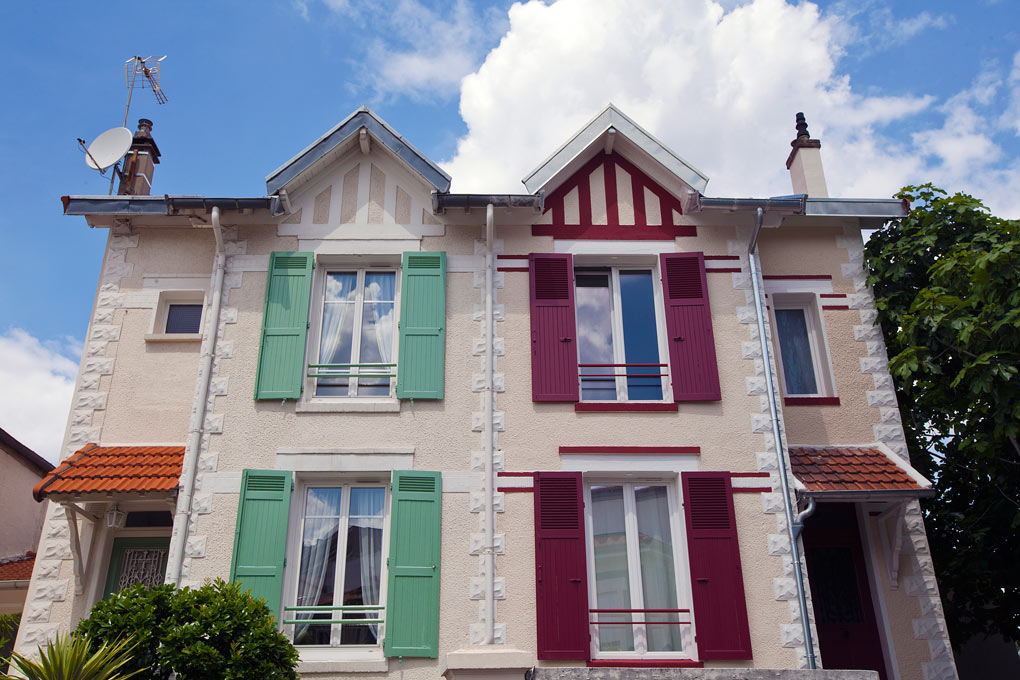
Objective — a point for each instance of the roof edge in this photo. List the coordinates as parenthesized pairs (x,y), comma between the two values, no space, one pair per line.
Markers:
(31,457)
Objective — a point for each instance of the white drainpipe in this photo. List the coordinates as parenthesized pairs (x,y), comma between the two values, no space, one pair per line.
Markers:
(182,518)
(489,434)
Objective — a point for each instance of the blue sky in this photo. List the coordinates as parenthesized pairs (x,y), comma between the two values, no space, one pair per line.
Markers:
(898,92)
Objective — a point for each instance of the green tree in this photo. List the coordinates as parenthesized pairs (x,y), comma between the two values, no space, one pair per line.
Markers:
(947,288)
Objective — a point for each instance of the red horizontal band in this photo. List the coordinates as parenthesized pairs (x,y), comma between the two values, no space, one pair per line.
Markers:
(800,277)
(811,401)
(601,231)
(645,663)
(625,407)
(752,489)
(511,269)
(748,474)
(723,271)
(515,474)
(722,257)
(832,295)
(511,257)
(836,307)
(516,489)
(631,449)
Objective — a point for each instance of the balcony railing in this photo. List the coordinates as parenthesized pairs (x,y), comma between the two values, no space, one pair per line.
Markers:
(641,622)
(343,608)
(349,370)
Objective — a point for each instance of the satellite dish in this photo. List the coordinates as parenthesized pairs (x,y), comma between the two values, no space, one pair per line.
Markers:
(108,148)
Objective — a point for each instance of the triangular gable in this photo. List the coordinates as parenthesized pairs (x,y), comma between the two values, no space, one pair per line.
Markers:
(345,134)
(610,198)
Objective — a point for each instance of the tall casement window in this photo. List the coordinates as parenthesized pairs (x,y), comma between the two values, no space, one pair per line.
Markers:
(618,335)
(621,333)
(356,338)
(340,565)
(632,574)
(804,362)
(623,573)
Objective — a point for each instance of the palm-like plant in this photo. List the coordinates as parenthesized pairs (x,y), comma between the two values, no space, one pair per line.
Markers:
(72,658)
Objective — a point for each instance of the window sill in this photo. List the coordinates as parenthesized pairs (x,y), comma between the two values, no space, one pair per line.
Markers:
(338,664)
(350,406)
(625,406)
(173,337)
(811,401)
(645,663)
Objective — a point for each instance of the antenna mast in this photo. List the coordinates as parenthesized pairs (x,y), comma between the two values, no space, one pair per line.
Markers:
(148,67)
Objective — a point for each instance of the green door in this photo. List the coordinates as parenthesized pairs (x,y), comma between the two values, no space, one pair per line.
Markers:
(137,560)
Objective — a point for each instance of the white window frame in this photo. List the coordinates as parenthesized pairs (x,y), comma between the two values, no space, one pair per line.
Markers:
(361,267)
(810,304)
(616,312)
(295,534)
(162,310)
(681,565)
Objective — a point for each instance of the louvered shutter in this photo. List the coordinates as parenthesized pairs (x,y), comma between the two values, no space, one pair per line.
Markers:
(561,575)
(412,610)
(553,328)
(717,582)
(281,366)
(692,364)
(422,326)
(260,539)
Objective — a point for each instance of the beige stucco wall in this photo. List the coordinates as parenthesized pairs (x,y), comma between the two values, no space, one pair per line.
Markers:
(22,516)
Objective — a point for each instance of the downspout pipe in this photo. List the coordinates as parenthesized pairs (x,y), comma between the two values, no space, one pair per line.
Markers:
(189,467)
(489,434)
(777,435)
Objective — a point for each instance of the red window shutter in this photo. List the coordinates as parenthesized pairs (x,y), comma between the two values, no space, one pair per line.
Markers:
(553,328)
(561,575)
(692,364)
(717,583)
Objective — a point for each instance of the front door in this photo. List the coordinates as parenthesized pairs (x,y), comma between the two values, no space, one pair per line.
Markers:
(137,560)
(844,613)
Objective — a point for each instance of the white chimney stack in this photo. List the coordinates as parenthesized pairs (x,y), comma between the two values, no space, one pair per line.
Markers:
(805,163)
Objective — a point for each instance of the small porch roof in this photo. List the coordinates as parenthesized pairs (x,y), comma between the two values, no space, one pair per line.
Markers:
(105,470)
(835,472)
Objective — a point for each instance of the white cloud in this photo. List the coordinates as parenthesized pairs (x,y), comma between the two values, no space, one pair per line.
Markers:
(38,379)
(720,87)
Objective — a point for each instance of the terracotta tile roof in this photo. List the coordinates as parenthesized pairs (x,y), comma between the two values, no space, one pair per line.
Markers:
(17,568)
(111,469)
(849,468)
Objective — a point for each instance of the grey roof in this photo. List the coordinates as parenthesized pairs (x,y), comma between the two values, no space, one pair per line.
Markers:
(612,117)
(344,130)
(162,205)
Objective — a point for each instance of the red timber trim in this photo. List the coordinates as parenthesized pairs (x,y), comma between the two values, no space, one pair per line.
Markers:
(722,257)
(728,270)
(644,450)
(835,308)
(798,277)
(520,489)
(811,401)
(832,295)
(512,269)
(639,181)
(752,489)
(504,473)
(750,474)
(506,256)
(645,663)
(623,406)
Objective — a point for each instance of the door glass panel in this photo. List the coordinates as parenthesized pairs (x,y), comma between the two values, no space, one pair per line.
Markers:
(336,340)
(595,334)
(142,565)
(377,332)
(658,578)
(317,572)
(612,577)
(363,568)
(640,344)
(834,585)
(795,348)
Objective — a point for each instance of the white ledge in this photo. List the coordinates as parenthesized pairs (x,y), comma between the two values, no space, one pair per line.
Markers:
(349,406)
(173,337)
(340,666)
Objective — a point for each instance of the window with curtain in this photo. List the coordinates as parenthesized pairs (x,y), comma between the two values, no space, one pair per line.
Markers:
(340,569)
(355,357)
(618,335)
(637,604)
(802,352)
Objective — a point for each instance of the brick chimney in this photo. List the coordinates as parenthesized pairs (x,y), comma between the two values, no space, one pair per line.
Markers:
(805,163)
(140,162)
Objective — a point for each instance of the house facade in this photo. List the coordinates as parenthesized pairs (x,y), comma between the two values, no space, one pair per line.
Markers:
(610,422)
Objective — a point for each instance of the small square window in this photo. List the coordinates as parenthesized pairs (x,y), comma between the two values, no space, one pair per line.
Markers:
(183,318)
(803,359)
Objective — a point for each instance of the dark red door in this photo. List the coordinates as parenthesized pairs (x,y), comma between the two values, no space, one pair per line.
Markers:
(844,613)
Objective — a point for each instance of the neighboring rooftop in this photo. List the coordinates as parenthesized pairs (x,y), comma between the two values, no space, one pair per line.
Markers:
(96,469)
(17,568)
(852,469)
(26,454)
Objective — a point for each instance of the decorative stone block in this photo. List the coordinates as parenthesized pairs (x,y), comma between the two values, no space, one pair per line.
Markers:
(772,503)
(50,591)
(784,588)
(750,350)
(195,546)
(778,544)
(760,422)
(881,397)
(791,634)
(755,385)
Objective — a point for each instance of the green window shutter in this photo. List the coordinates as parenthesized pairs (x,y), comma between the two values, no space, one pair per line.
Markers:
(260,540)
(412,612)
(281,366)
(422,326)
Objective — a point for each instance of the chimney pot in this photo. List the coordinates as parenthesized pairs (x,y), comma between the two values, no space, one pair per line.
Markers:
(805,162)
(144,127)
(802,131)
(140,162)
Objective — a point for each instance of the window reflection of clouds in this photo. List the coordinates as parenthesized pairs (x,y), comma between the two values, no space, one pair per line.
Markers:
(341,286)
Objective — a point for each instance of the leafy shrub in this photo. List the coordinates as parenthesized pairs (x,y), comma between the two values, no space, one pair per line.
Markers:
(216,632)
(8,632)
(78,658)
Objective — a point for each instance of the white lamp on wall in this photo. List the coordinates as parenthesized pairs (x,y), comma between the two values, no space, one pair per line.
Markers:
(114,517)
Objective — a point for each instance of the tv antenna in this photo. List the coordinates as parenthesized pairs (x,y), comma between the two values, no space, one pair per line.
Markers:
(109,148)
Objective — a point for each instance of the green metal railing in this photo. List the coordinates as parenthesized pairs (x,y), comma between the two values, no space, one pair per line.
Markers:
(328,622)
(332,371)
